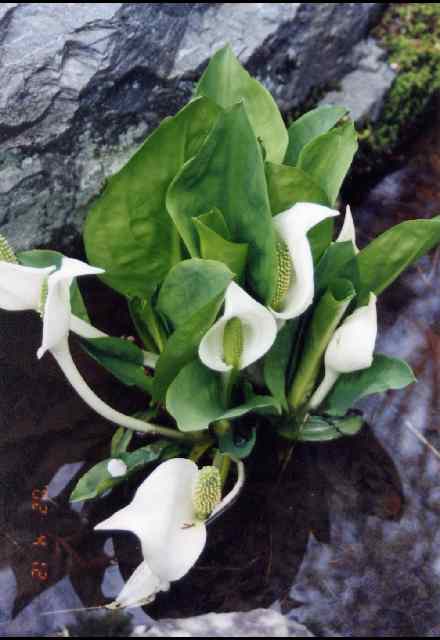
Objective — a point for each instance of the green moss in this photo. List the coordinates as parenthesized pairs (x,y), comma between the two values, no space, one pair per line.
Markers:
(410,33)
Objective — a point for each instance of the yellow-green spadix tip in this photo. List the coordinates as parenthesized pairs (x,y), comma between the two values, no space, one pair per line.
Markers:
(6,253)
(283,275)
(233,342)
(207,492)
(43,298)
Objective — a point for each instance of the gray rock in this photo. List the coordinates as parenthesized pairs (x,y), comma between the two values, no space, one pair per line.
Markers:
(363,91)
(260,623)
(82,86)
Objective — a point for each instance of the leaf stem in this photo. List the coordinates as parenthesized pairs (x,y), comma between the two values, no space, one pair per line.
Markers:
(88,331)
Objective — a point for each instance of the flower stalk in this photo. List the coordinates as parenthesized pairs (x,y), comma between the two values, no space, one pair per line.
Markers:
(65,361)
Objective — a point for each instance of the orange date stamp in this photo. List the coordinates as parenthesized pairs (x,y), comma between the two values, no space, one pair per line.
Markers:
(40,569)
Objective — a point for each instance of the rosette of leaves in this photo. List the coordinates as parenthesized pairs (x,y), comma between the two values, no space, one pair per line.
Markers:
(191,212)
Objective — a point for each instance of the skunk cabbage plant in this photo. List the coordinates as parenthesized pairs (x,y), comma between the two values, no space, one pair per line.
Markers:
(252,307)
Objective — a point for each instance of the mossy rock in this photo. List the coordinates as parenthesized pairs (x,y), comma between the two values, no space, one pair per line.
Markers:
(410,33)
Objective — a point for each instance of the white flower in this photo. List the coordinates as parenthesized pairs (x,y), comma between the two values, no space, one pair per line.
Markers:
(241,336)
(295,285)
(45,290)
(57,310)
(164,517)
(350,349)
(116,468)
(348,231)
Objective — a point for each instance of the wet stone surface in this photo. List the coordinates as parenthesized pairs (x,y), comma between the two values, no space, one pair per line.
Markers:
(344,539)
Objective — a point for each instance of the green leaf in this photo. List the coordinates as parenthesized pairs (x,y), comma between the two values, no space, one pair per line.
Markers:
(308,127)
(325,319)
(190,286)
(288,185)
(385,373)
(215,221)
(226,82)
(228,174)
(128,231)
(235,444)
(215,247)
(328,157)
(318,429)
(41,258)
(195,399)
(147,324)
(276,362)
(122,358)
(333,263)
(384,259)
(77,302)
(320,238)
(98,480)
(121,441)
(182,347)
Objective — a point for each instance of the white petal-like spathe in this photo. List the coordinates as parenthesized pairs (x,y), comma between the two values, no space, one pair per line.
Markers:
(292,227)
(350,349)
(352,345)
(140,589)
(259,330)
(57,310)
(20,287)
(117,468)
(348,231)
(158,513)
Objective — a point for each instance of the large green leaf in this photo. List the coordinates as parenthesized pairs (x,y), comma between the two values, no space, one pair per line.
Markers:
(213,246)
(385,373)
(228,174)
(308,127)
(98,480)
(122,358)
(190,286)
(276,362)
(288,185)
(182,346)
(128,230)
(328,157)
(325,319)
(226,82)
(384,259)
(195,399)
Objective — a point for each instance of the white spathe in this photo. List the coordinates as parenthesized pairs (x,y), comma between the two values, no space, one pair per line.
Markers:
(57,310)
(117,468)
(162,516)
(21,290)
(348,231)
(259,330)
(20,287)
(350,349)
(292,227)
